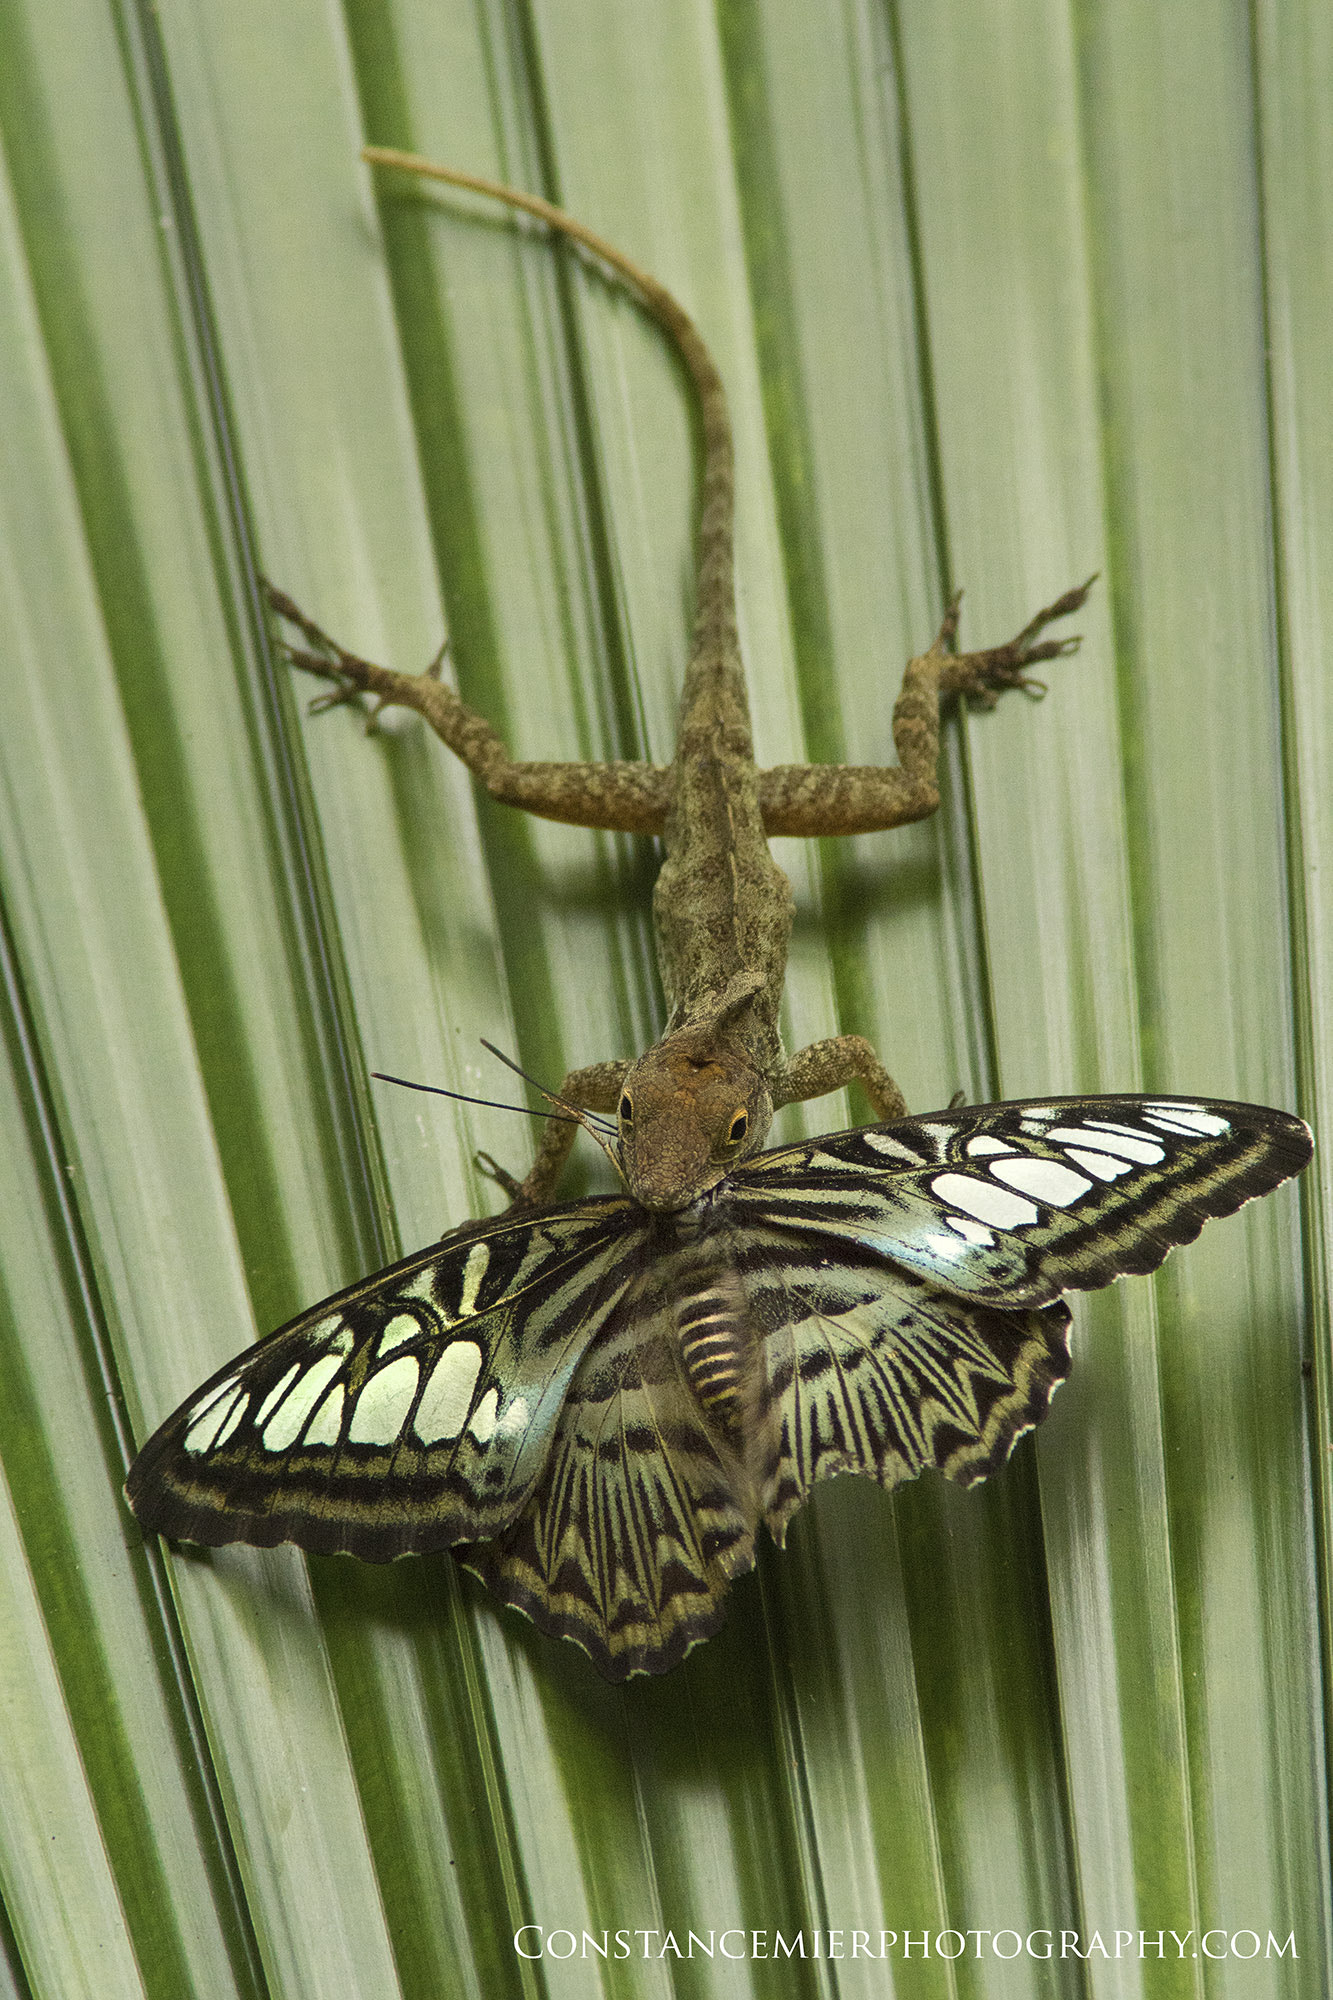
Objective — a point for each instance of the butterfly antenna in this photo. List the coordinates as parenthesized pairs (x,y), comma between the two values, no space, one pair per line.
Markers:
(601,1129)
(462,1097)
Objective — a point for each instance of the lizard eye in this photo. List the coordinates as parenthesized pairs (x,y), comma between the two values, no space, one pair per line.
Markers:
(736,1131)
(626,1109)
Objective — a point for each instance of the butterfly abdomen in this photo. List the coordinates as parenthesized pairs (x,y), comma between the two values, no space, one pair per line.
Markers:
(711,1326)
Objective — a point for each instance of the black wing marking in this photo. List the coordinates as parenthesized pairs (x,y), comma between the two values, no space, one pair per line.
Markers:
(858,1366)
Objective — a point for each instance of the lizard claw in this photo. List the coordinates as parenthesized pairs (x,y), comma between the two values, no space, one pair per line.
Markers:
(500,1175)
(352,676)
(984,677)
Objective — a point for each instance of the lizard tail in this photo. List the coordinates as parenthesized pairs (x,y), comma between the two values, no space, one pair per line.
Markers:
(717,615)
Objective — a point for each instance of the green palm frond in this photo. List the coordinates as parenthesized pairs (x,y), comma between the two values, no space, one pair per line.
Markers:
(1001,296)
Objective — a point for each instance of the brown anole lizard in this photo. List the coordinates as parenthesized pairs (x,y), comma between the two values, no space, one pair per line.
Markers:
(702,1098)
(600,1403)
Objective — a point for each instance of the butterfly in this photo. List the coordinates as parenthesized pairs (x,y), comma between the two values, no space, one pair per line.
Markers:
(597,1406)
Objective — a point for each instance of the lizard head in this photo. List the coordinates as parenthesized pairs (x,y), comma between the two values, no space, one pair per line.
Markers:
(690,1110)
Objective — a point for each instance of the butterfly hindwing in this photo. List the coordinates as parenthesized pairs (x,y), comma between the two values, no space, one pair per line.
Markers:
(865,1368)
(630,1543)
(906,1276)
(411,1411)
(1017,1203)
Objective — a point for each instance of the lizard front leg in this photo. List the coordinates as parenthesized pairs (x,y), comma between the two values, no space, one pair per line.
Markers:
(812,799)
(620,797)
(830,1065)
(596,1088)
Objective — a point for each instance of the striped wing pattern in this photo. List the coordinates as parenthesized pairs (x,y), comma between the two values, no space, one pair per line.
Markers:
(873,1370)
(630,1544)
(600,1405)
(1018,1203)
(415,1410)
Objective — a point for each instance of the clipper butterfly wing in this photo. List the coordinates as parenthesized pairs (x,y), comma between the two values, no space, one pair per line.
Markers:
(598,1407)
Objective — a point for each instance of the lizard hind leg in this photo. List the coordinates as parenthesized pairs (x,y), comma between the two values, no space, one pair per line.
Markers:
(817,799)
(984,676)
(618,795)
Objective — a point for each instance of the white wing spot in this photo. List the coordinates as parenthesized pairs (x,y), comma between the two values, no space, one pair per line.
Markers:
(400,1328)
(331,1333)
(422,1286)
(275,1396)
(478,1257)
(1106,1166)
(214,1397)
(514,1419)
(382,1407)
(443,1408)
(1044,1180)
(1187,1118)
(984,1200)
(882,1143)
(326,1425)
(285,1425)
(1072,1136)
(482,1426)
(237,1412)
(940,1134)
(1039,1111)
(984,1145)
(975,1232)
(1130,1145)
(203,1432)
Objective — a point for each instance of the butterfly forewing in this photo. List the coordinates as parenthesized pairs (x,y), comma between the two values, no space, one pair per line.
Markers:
(1017,1203)
(414,1410)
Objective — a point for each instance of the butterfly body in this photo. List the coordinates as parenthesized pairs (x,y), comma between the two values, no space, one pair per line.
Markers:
(599,1405)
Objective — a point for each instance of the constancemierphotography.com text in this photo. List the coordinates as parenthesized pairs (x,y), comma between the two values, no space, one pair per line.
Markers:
(536,1941)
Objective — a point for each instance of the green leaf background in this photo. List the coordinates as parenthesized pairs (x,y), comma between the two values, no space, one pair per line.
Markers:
(1004,291)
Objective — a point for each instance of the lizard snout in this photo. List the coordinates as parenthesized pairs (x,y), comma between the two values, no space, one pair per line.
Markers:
(686,1118)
